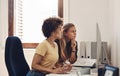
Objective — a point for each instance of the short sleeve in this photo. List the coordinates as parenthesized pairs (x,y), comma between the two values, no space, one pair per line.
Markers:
(41,49)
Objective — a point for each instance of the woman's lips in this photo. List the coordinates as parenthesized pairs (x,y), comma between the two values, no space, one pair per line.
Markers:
(74,36)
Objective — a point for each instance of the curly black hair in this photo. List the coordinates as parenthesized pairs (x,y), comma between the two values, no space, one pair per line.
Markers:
(50,25)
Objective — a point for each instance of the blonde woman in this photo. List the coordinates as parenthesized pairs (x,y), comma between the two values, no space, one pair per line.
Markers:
(67,45)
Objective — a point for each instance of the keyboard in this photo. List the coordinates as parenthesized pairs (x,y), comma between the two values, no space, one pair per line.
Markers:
(85,62)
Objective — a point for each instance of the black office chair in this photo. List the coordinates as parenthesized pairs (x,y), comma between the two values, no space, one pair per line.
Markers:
(14,57)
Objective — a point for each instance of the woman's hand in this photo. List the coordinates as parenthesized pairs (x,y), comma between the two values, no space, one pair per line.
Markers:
(67,67)
(59,71)
(73,44)
(62,70)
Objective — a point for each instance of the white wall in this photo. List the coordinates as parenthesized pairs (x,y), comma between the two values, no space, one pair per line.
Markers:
(114,21)
(85,14)
(0,24)
(3,22)
(3,34)
(117,28)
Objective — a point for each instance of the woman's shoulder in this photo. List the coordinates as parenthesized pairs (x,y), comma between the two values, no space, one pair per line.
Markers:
(43,43)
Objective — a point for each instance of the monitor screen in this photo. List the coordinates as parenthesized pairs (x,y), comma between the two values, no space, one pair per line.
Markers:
(111,71)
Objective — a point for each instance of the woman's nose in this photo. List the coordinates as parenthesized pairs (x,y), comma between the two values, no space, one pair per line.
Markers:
(62,30)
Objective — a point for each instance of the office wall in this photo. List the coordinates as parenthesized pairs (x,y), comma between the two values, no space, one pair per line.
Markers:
(114,21)
(3,22)
(0,24)
(85,14)
(3,34)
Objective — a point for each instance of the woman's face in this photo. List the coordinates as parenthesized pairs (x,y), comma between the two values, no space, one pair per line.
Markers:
(58,32)
(71,33)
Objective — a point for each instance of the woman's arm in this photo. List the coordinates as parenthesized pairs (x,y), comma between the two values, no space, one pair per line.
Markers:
(58,64)
(67,67)
(73,56)
(36,65)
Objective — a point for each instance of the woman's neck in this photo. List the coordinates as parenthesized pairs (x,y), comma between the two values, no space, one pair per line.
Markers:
(51,40)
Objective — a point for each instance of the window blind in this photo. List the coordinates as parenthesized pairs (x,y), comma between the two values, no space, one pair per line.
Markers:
(19,18)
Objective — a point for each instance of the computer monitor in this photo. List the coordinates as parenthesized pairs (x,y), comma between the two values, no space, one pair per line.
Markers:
(111,71)
(102,55)
(98,39)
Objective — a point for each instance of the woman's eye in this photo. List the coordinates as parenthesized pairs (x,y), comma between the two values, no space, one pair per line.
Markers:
(60,29)
(73,31)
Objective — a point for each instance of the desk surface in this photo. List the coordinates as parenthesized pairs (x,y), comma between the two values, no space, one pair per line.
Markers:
(76,71)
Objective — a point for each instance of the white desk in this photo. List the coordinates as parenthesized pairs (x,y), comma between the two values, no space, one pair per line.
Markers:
(74,72)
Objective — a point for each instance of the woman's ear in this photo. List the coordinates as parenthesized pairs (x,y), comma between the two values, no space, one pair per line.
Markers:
(53,33)
(64,33)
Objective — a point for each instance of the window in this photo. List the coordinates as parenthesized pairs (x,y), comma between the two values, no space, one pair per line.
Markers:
(26,18)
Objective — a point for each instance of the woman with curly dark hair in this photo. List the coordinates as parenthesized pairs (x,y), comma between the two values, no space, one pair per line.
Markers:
(46,54)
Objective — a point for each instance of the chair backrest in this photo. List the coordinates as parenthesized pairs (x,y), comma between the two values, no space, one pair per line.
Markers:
(14,57)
